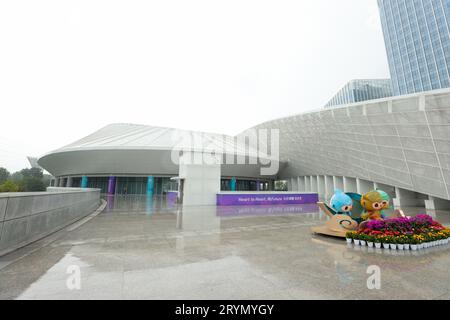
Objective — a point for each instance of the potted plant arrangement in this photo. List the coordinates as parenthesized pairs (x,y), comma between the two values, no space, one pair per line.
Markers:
(385,241)
(407,244)
(362,239)
(370,241)
(349,237)
(377,242)
(414,244)
(392,242)
(400,242)
(404,233)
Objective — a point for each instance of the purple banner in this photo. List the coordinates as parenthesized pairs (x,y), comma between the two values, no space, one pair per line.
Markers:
(171,198)
(265,199)
(238,211)
(112,185)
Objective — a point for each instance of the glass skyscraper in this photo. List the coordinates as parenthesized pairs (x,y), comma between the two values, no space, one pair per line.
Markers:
(417,40)
(361,90)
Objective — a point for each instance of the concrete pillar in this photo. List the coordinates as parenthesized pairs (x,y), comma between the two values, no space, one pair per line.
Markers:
(150,186)
(329,187)
(390,190)
(233,184)
(69,182)
(55,182)
(84,181)
(350,185)
(61,182)
(434,203)
(307,183)
(338,183)
(301,184)
(258,185)
(314,187)
(294,183)
(364,186)
(289,184)
(112,185)
(201,181)
(405,198)
(321,186)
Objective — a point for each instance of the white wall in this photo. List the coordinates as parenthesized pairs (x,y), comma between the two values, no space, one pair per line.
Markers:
(201,183)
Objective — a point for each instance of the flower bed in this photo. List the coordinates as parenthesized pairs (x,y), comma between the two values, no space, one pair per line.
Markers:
(410,233)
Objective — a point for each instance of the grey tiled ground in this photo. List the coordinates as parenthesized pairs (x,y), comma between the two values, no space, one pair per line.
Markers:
(166,254)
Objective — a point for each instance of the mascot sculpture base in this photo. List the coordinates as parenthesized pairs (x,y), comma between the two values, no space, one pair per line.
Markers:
(338,224)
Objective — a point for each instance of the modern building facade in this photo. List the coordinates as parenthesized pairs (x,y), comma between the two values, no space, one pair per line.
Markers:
(417,38)
(138,159)
(398,144)
(361,90)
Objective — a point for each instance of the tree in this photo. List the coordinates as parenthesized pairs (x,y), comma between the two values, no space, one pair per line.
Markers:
(9,186)
(4,175)
(17,177)
(32,173)
(27,180)
(32,184)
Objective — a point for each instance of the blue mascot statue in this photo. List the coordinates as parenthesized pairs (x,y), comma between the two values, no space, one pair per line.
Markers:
(341,202)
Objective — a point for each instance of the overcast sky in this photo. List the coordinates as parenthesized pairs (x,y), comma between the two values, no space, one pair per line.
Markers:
(67,68)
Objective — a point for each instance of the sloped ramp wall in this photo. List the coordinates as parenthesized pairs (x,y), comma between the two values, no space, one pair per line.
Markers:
(28,217)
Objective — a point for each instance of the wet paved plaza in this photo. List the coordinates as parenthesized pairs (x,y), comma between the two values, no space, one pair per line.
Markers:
(143,249)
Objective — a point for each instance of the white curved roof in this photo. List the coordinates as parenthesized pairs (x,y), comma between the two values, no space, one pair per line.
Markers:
(130,149)
(133,136)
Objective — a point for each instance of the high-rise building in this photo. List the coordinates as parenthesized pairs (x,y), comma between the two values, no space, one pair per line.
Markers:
(361,90)
(417,40)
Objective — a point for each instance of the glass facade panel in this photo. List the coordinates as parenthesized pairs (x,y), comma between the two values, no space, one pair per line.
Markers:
(362,90)
(417,38)
(98,183)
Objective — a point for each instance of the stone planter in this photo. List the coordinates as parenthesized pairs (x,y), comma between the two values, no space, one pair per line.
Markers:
(357,242)
(349,240)
(386,245)
(414,247)
(378,245)
(407,246)
(393,246)
(401,247)
(362,242)
(370,244)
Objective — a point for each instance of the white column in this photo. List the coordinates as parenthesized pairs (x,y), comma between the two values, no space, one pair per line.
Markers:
(307,183)
(434,203)
(321,186)
(314,184)
(364,186)
(406,198)
(301,184)
(329,187)
(338,183)
(294,183)
(390,190)
(69,182)
(350,185)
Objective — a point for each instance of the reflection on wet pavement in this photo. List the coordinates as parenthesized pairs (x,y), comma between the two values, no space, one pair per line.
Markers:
(141,248)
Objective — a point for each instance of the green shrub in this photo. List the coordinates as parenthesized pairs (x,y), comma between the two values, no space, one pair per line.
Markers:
(9,186)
